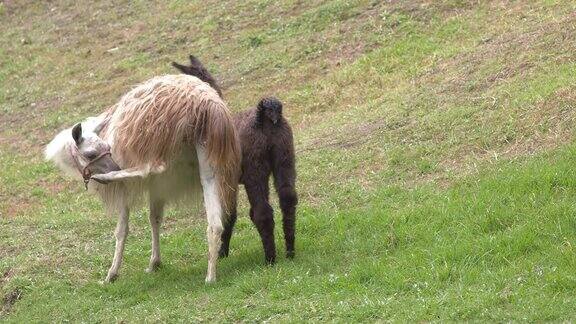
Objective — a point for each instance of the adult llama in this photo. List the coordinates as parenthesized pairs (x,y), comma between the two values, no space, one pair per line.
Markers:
(167,140)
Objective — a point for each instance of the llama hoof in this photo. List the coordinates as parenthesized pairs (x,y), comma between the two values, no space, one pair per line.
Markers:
(290,254)
(153,267)
(222,254)
(210,279)
(270,261)
(110,278)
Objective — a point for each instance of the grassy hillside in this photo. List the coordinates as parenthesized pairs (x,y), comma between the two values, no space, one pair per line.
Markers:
(435,159)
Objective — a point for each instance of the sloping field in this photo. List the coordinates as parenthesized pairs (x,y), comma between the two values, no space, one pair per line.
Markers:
(437,170)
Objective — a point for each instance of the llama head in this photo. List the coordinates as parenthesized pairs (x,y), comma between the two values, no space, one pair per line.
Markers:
(270,109)
(79,151)
(197,69)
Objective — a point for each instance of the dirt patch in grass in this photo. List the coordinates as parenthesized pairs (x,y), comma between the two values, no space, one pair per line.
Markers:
(55,187)
(17,206)
(335,139)
(348,52)
(548,125)
(6,276)
(9,6)
(464,72)
(10,299)
(351,136)
(26,109)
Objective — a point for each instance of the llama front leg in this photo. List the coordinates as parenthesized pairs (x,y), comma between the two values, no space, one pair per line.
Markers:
(213,211)
(156,214)
(121,233)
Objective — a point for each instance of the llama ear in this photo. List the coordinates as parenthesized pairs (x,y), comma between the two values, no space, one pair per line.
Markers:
(180,67)
(77,133)
(194,61)
(261,104)
(100,126)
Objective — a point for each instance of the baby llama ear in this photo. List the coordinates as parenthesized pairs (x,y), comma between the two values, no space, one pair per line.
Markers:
(182,68)
(194,61)
(77,133)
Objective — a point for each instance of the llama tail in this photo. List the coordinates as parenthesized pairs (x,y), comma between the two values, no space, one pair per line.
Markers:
(154,120)
(223,150)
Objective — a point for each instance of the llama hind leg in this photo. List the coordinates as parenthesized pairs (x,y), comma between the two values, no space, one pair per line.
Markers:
(284,173)
(288,200)
(227,234)
(121,233)
(262,216)
(213,211)
(156,214)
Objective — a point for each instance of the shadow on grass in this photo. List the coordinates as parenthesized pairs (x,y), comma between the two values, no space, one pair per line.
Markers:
(181,276)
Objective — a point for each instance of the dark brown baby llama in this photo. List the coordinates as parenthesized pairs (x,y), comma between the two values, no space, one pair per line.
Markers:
(267,148)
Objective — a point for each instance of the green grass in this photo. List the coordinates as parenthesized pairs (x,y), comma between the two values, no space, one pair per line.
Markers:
(494,246)
(435,160)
